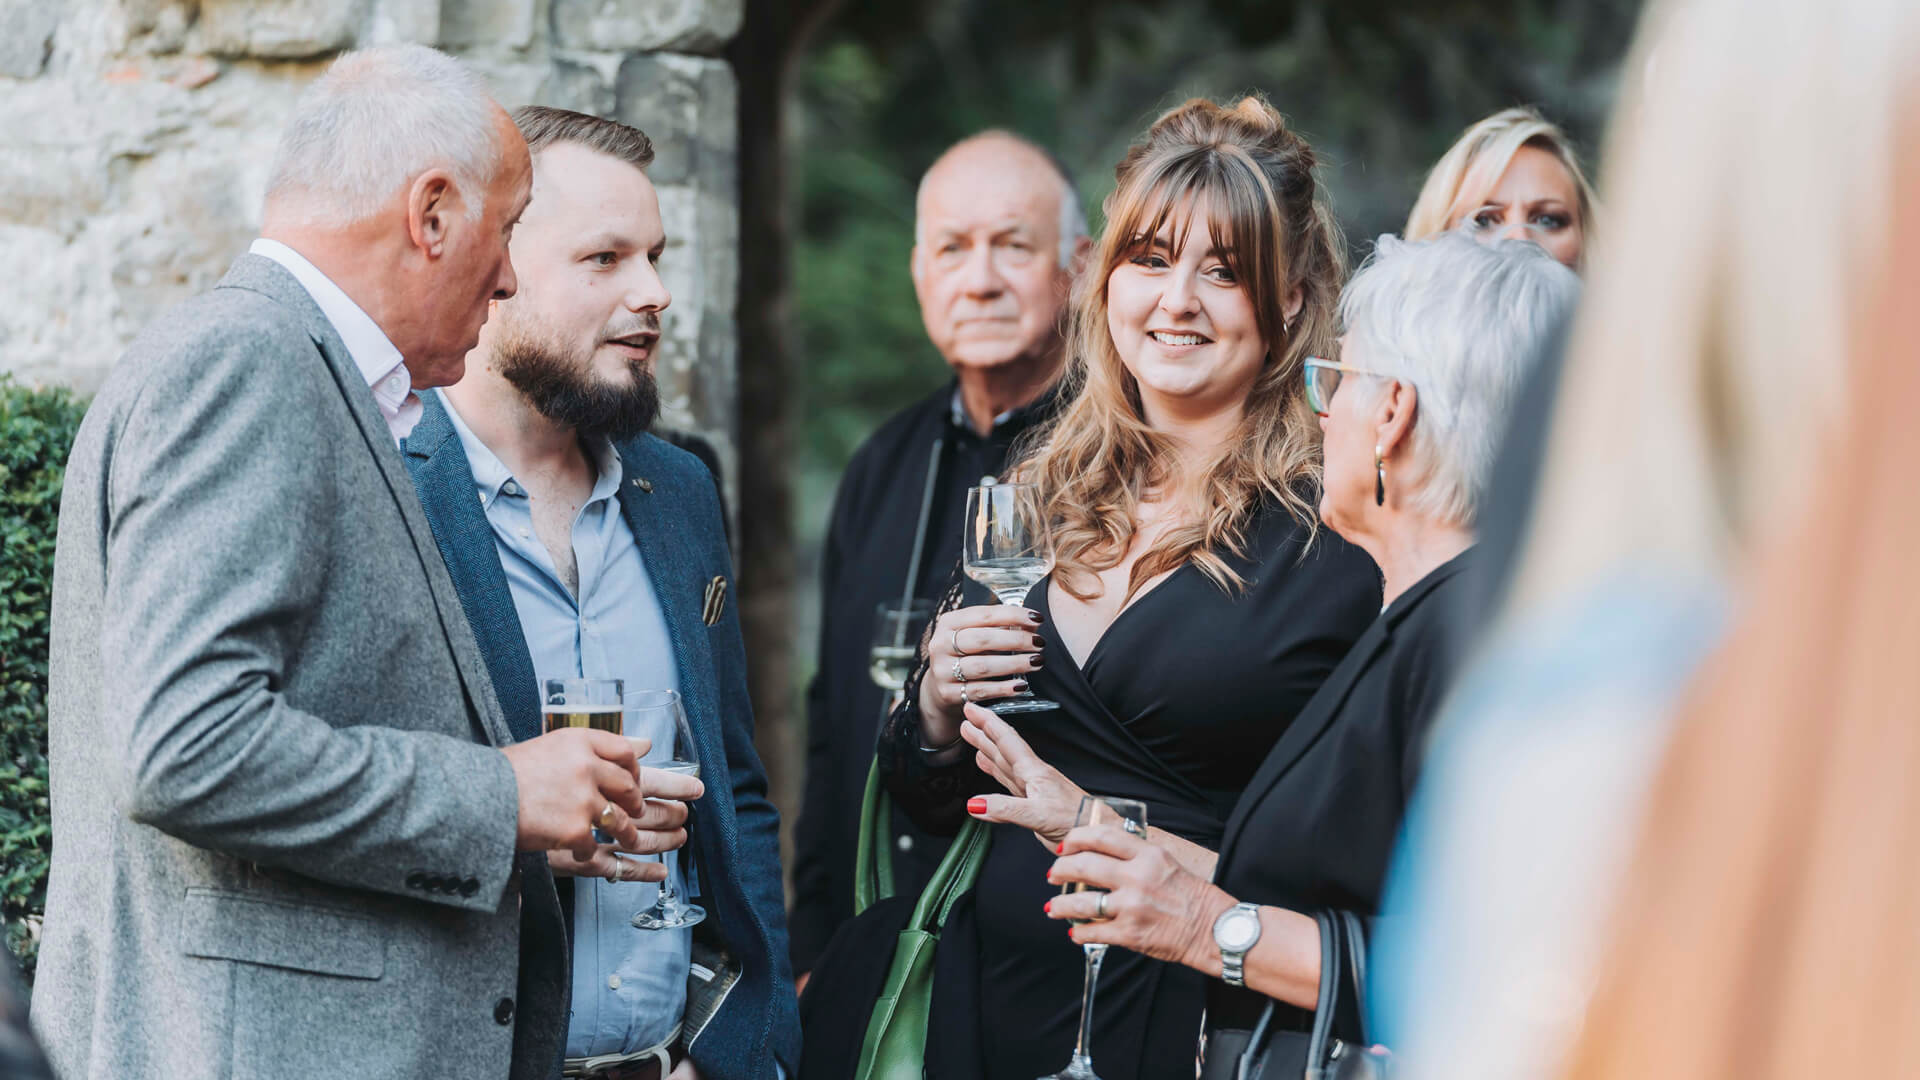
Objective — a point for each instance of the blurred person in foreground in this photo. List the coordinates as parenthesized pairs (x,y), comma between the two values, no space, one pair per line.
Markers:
(288,813)
(1514,175)
(596,550)
(1769,924)
(1195,605)
(1437,338)
(1708,359)
(998,235)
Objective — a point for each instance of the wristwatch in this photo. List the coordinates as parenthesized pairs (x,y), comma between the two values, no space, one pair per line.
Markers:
(1236,931)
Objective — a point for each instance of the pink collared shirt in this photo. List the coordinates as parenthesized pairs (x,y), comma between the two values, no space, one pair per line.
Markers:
(379,362)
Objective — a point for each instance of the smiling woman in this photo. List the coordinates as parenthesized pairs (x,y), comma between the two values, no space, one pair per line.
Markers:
(1191,613)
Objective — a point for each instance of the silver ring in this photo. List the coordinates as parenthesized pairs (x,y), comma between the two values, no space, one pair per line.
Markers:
(963,694)
(957,651)
(1100,908)
(958,675)
(614,874)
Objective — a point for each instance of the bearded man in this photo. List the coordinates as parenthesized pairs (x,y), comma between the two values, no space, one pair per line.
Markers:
(584,547)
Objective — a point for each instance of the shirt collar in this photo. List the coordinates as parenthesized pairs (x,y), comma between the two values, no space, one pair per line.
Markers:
(957,412)
(374,354)
(492,478)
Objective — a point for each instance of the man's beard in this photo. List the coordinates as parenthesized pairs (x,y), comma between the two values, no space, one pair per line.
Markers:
(564,389)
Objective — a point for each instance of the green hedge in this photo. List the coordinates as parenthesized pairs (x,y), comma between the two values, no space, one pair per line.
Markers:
(36,429)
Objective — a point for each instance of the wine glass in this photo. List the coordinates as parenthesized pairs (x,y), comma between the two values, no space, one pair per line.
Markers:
(1008,549)
(896,638)
(584,703)
(658,716)
(1131,815)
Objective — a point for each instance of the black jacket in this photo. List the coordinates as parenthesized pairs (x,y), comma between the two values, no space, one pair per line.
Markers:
(1317,824)
(864,563)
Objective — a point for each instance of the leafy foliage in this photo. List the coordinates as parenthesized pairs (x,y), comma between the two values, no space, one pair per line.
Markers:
(36,429)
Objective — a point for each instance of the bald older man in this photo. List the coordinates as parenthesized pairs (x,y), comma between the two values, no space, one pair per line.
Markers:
(288,818)
(998,233)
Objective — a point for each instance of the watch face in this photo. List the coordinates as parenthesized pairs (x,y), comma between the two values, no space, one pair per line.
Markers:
(1237,930)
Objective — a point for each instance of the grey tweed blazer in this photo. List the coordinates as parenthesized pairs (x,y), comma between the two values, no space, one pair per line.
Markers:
(283,839)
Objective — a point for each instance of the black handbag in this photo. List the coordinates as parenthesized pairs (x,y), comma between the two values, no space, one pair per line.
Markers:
(1267,1053)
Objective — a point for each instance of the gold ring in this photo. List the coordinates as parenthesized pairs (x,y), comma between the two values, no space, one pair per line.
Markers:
(1100,908)
(605,819)
(614,874)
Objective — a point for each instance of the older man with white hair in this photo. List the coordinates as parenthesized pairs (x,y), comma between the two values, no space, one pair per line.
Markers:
(288,817)
(998,235)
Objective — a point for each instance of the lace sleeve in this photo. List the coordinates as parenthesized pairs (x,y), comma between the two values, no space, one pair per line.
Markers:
(932,793)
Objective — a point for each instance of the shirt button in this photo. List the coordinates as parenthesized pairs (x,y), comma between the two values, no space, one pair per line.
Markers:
(512,488)
(523,534)
(905,843)
(613,982)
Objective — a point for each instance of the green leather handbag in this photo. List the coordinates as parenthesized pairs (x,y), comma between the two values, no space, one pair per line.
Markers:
(895,1047)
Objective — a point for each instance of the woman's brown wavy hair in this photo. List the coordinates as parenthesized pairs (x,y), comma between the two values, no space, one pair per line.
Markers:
(1251,179)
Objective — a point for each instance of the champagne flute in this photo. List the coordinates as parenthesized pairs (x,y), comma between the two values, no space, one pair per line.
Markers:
(583,703)
(896,639)
(657,715)
(1131,815)
(1008,549)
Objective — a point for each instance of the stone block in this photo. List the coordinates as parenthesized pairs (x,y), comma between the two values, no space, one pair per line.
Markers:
(26,36)
(692,26)
(688,106)
(396,22)
(579,87)
(489,24)
(280,29)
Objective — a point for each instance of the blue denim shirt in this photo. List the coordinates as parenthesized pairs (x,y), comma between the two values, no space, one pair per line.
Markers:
(629,985)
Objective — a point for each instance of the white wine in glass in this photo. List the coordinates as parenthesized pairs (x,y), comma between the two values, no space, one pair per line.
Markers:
(1008,548)
(658,715)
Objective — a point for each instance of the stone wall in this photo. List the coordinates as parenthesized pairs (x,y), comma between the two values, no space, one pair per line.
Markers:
(135,137)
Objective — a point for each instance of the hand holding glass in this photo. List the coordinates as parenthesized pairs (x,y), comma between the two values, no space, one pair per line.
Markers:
(582,703)
(1131,815)
(1008,548)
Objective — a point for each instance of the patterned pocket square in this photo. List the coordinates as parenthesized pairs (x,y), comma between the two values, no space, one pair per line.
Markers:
(716,603)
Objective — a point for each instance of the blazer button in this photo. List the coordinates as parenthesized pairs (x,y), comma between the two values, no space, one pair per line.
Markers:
(503,1012)
(469,886)
(417,880)
(432,882)
(450,886)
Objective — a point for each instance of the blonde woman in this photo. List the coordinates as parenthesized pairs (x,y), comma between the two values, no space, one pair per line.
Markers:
(1706,370)
(1516,175)
(1192,612)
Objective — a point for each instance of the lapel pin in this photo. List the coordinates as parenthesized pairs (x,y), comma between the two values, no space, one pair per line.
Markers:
(643,484)
(716,601)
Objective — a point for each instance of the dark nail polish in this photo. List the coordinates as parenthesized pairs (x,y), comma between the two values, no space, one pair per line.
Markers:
(1020,687)
(1039,642)
(1037,660)
(1035,616)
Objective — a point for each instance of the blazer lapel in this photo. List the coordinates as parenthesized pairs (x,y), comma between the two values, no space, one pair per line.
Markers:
(1306,728)
(262,275)
(655,508)
(444,478)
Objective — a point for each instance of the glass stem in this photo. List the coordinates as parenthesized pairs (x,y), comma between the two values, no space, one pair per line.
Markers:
(1095,954)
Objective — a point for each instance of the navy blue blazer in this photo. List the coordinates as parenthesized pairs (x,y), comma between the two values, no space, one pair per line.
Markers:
(674,511)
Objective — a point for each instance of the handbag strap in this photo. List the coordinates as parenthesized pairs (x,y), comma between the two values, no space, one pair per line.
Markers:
(1319,1045)
(873,857)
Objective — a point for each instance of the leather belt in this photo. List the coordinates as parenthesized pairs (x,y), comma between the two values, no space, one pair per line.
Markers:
(653,1063)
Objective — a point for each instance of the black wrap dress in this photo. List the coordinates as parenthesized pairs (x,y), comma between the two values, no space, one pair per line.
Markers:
(1176,705)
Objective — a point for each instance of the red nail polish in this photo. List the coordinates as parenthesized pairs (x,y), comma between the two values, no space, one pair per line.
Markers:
(1047,907)
(1061,848)
(1071,935)
(976,805)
